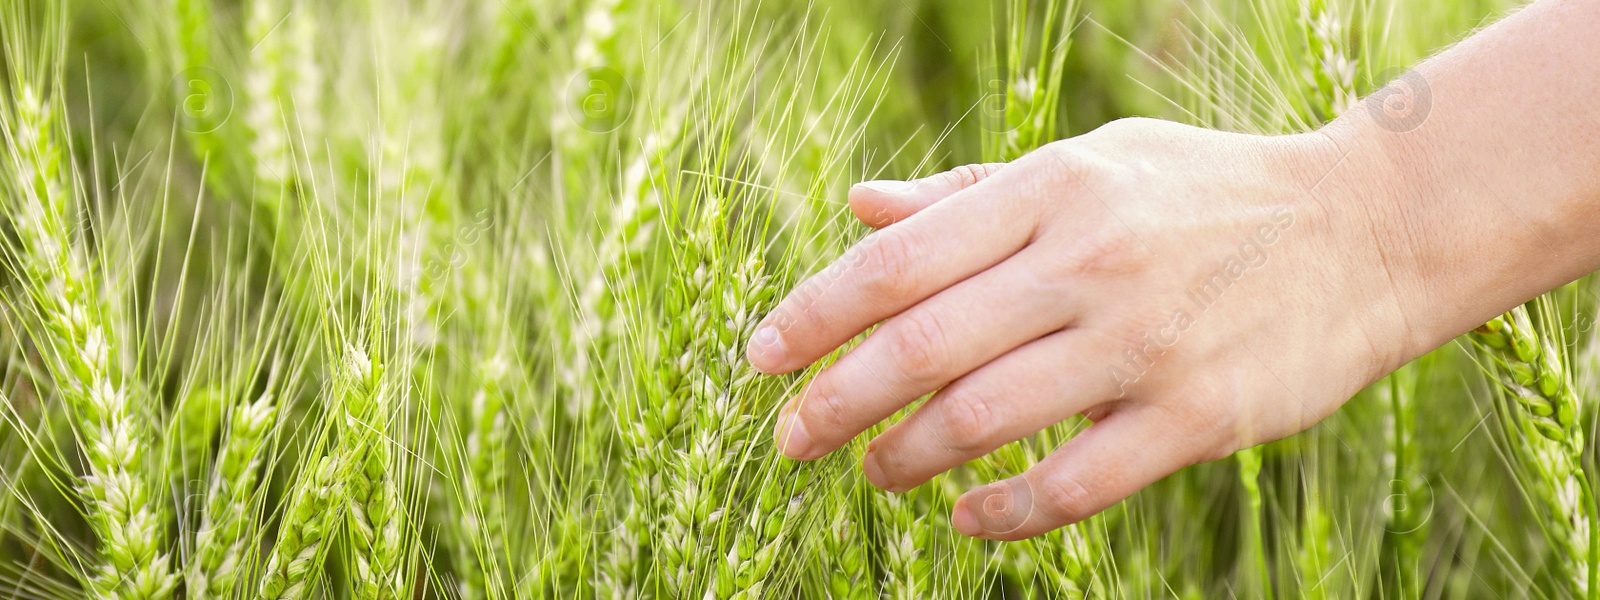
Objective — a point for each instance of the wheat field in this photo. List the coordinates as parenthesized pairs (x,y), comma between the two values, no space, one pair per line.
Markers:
(436,299)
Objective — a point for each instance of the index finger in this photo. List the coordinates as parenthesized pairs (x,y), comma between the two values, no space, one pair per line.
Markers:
(893,269)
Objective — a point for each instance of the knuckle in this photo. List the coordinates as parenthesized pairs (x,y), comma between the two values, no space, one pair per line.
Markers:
(897,466)
(918,343)
(1218,445)
(1215,411)
(807,315)
(968,175)
(1207,434)
(889,267)
(1138,130)
(1065,155)
(1215,449)
(1072,169)
(969,421)
(1210,444)
(1112,251)
(1066,498)
(1125,125)
(824,411)
(1206,426)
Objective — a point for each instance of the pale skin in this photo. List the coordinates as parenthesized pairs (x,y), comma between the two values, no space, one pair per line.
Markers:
(1017,294)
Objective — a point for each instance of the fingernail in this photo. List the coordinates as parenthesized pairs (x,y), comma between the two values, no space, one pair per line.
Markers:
(964,521)
(766,350)
(792,437)
(874,472)
(889,186)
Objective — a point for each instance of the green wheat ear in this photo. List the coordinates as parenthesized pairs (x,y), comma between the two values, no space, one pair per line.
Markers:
(848,575)
(1031,91)
(1330,71)
(313,514)
(484,512)
(84,352)
(1532,367)
(375,515)
(1541,411)
(221,543)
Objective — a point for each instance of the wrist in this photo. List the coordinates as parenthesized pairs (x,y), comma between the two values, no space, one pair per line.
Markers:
(1368,186)
(1455,250)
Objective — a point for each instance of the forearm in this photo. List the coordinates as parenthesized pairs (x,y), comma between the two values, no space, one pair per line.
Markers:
(1490,194)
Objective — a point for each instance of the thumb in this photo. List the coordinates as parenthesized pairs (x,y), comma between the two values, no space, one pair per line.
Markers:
(884,203)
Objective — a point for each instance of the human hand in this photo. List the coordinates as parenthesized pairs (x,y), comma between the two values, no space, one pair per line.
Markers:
(1191,292)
